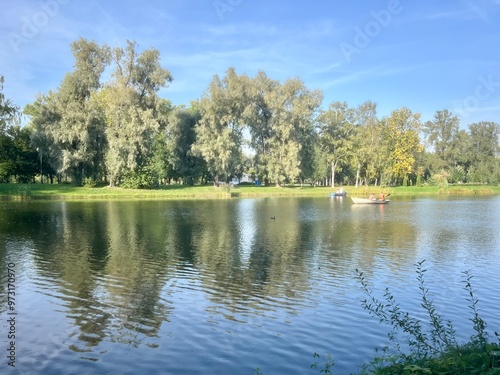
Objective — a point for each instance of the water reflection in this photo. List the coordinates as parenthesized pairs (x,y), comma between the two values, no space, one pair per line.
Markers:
(144,274)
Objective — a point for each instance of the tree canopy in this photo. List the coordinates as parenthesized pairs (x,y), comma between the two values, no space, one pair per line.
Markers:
(107,123)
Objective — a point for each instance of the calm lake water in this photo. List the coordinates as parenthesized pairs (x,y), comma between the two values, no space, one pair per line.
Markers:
(218,287)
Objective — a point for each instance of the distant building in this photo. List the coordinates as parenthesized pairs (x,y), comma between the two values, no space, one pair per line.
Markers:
(245,177)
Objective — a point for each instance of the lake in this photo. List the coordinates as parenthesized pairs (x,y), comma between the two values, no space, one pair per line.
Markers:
(228,286)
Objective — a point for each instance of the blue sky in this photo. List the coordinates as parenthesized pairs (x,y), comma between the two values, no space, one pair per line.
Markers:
(425,55)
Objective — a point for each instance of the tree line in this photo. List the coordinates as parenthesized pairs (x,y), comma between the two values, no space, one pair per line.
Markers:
(106,123)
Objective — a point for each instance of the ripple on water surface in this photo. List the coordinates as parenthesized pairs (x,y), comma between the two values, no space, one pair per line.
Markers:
(187,288)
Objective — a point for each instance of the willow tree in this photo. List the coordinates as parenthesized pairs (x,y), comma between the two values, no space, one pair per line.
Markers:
(133,109)
(485,152)
(369,156)
(219,133)
(43,114)
(8,114)
(280,117)
(180,136)
(69,120)
(258,117)
(8,111)
(441,135)
(401,134)
(337,131)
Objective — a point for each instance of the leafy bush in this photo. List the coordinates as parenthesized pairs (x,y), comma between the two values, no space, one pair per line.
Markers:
(89,182)
(458,174)
(433,346)
(143,178)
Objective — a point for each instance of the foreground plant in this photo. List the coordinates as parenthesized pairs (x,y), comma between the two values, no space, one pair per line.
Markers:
(327,366)
(433,347)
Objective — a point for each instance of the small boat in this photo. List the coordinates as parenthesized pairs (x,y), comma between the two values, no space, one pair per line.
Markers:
(369,201)
(338,194)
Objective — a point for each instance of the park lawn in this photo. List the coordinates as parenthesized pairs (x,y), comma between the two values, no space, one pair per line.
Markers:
(67,192)
(449,190)
(408,191)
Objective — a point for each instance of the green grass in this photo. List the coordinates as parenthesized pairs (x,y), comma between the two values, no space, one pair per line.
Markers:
(427,190)
(450,190)
(66,191)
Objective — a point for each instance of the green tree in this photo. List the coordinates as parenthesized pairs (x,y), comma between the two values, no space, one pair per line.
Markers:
(280,119)
(18,158)
(401,134)
(219,133)
(43,113)
(8,111)
(80,131)
(134,112)
(308,155)
(337,132)
(319,164)
(7,157)
(258,117)
(485,151)
(369,155)
(70,120)
(293,107)
(441,134)
(180,136)
(23,156)
(8,115)
(463,153)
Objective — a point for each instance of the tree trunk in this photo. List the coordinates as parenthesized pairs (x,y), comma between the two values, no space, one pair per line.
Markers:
(357,175)
(334,166)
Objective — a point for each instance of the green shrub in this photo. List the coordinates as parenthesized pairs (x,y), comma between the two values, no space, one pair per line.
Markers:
(143,178)
(89,182)
(433,347)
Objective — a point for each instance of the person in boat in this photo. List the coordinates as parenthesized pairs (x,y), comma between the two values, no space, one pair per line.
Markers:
(371,197)
(382,197)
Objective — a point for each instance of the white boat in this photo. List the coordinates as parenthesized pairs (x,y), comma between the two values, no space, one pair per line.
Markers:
(369,201)
(338,194)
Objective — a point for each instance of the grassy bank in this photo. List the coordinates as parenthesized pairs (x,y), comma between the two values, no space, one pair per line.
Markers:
(428,190)
(65,191)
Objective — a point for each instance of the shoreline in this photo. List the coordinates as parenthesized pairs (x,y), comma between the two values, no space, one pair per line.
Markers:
(17,192)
